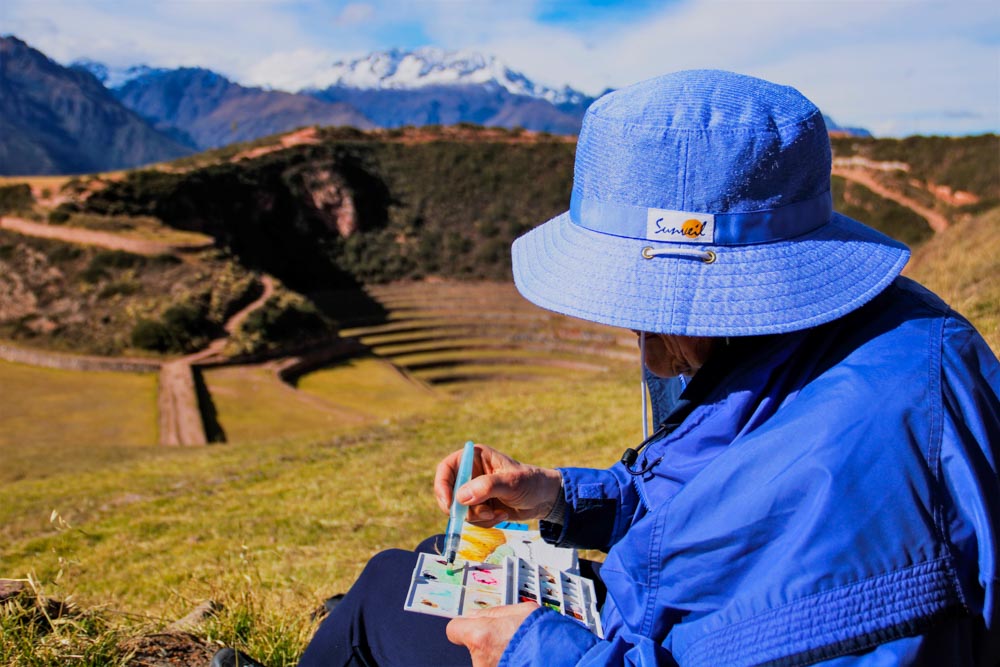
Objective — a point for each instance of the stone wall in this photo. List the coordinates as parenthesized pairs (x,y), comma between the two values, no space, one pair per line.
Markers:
(76,362)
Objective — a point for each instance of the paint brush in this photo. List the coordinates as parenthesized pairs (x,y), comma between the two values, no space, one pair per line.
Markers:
(456,517)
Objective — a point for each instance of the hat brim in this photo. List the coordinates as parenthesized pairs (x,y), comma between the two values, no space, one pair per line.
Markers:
(748,290)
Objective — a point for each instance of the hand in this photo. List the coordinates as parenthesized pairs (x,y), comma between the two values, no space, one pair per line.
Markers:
(501,488)
(487,632)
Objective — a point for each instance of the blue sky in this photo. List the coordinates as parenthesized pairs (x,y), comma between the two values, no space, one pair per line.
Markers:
(897,67)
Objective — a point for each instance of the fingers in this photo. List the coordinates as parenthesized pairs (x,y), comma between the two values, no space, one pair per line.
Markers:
(486,461)
(509,487)
(487,515)
(444,478)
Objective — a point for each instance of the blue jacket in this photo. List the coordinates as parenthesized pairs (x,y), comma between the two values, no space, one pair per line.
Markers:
(835,497)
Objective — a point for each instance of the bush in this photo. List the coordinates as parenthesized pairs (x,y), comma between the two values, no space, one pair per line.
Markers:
(59,216)
(15,198)
(184,327)
(122,287)
(116,259)
(150,335)
(93,275)
(283,319)
(64,252)
(106,262)
(62,213)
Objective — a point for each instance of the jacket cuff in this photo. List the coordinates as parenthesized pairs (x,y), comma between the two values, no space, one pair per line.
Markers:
(594,505)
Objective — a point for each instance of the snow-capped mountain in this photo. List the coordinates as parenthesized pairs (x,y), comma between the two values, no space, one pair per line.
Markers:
(114,77)
(429,66)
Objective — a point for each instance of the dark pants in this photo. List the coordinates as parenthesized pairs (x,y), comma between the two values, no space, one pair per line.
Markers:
(369,626)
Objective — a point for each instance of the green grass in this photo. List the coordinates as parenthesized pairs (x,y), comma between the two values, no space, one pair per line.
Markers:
(298,517)
(892,219)
(252,404)
(141,228)
(57,422)
(369,386)
(962,265)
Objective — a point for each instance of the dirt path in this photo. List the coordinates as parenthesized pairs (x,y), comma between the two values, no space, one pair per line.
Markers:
(180,415)
(232,325)
(91,237)
(937,222)
(177,400)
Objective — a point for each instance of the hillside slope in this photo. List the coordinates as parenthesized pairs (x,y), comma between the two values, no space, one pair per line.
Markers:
(962,264)
(56,120)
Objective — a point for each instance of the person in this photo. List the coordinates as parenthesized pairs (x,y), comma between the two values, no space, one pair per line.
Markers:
(825,488)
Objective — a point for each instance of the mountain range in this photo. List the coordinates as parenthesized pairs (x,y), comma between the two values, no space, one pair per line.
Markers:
(92,117)
(57,120)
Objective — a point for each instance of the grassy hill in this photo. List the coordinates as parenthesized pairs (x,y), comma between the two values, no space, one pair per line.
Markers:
(269,530)
(962,264)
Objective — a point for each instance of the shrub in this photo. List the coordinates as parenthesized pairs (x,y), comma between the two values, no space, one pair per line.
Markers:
(106,262)
(184,327)
(59,216)
(64,252)
(116,259)
(284,318)
(15,198)
(166,259)
(121,287)
(150,335)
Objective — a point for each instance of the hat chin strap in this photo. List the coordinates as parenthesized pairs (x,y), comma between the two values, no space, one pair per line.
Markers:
(707,256)
(642,385)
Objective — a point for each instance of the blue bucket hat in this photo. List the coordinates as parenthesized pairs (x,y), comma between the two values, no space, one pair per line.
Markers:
(701,206)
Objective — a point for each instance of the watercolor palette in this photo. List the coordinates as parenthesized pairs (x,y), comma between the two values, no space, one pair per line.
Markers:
(469,585)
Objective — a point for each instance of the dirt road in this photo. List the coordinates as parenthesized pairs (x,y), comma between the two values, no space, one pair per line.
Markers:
(95,238)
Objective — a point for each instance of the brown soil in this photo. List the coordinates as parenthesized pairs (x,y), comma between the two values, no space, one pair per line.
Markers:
(306,135)
(169,650)
(180,416)
(91,237)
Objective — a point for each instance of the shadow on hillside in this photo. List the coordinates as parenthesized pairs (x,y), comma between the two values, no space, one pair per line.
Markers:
(349,306)
(214,432)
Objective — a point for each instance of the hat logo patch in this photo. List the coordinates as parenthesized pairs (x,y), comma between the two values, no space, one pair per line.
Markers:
(679,226)
(693,228)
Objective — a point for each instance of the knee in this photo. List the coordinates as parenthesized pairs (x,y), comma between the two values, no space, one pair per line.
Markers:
(388,560)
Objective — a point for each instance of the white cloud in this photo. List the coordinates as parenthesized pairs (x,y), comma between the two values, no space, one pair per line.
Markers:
(224,36)
(291,70)
(895,67)
(355,13)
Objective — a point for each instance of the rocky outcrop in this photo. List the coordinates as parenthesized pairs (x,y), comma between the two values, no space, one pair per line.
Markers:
(332,199)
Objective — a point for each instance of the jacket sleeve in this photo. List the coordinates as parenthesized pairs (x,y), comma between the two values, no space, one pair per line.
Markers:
(548,639)
(969,455)
(600,505)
